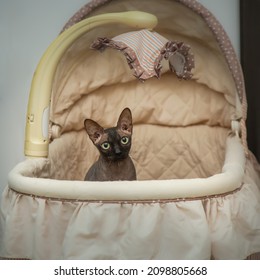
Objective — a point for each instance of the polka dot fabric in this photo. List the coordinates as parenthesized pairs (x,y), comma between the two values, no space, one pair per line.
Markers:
(230,56)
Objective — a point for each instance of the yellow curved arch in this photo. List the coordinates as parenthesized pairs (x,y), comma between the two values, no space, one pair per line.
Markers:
(36,134)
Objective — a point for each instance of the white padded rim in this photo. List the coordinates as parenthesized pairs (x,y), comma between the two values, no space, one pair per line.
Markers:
(22,179)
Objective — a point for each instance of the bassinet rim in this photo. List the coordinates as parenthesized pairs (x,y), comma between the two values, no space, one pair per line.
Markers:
(229,180)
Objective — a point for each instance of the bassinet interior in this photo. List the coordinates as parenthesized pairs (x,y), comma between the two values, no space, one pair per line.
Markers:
(180,126)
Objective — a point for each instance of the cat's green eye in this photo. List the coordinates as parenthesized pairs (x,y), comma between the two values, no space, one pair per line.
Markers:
(124,140)
(105,145)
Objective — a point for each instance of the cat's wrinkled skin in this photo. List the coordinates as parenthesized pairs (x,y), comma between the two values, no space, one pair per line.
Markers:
(114,163)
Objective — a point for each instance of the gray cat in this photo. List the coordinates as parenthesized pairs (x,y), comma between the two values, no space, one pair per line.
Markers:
(114,144)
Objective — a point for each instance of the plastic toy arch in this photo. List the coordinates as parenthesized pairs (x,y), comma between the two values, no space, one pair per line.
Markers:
(36,134)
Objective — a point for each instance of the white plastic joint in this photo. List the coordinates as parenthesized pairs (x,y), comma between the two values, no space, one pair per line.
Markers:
(236,127)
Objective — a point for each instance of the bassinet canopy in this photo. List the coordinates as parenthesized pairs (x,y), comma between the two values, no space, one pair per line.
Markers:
(197,181)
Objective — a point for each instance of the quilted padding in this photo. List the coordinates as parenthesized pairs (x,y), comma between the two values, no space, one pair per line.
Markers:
(158,152)
(178,153)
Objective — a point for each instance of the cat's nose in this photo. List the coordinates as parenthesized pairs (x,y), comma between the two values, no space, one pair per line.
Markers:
(118,151)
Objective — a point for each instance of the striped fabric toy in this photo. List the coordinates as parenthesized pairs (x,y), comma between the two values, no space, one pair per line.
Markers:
(144,51)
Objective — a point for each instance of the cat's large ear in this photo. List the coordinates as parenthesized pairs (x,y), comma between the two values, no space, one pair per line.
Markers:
(94,130)
(125,121)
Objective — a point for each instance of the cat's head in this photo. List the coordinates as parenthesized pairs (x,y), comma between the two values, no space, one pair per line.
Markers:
(113,143)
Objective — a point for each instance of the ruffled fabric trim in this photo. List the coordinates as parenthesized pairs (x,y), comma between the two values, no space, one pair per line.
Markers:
(140,59)
(181,60)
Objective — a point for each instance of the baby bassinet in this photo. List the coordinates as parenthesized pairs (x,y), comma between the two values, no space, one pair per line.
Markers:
(197,195)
